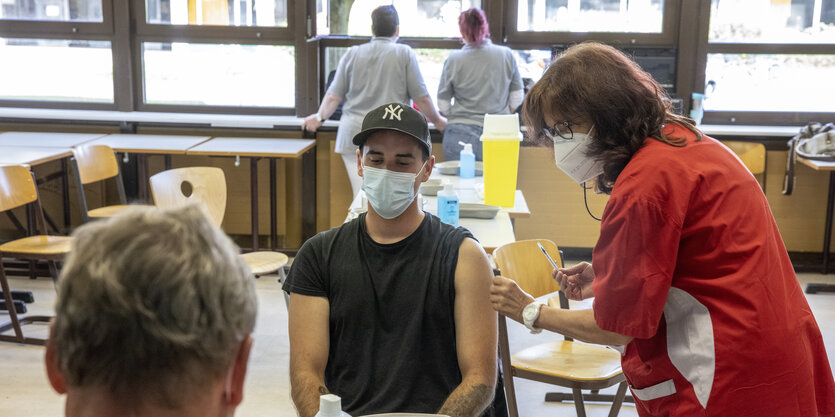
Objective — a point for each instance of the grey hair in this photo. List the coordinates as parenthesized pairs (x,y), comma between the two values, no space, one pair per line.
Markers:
(152,306)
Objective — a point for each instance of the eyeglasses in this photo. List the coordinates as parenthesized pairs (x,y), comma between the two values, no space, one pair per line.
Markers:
(560,132)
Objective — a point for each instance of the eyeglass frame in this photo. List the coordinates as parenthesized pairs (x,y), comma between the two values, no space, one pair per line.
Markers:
(555,134)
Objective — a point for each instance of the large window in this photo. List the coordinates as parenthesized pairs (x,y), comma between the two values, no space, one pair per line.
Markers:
(56,70)
(219,75)
(52,10)
(217,12)
(769,57)
(428,18)
(624,16)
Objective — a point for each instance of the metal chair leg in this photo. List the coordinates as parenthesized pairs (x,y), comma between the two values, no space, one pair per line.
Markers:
(613,412)
(578,402)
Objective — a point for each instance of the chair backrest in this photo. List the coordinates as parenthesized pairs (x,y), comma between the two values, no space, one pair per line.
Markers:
(17,187)
(95,163)
(525,263)
(182,186)
(752,154)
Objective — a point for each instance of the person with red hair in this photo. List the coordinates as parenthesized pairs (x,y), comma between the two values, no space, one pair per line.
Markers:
(480,78)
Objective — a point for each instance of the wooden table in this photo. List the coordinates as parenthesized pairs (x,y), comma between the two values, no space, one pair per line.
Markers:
(827,230)
(255,149)
(145,145)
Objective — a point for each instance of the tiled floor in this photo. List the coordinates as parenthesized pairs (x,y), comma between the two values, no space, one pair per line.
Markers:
(27,393)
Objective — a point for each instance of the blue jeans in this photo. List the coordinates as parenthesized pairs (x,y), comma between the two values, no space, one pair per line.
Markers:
(456,132)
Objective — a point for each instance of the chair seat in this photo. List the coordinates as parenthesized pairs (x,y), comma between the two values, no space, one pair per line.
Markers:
(565,359)
(109,211)
(38,245)
(265,262)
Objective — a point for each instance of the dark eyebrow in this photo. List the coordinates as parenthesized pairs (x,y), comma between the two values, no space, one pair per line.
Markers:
(404,155)
(373,152)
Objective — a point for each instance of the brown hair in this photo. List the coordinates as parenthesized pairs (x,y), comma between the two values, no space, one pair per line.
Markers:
(598,85)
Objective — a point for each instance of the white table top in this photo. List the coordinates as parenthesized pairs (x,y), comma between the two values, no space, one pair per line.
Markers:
(277,148)
(471,190)
(47,139)
(32,155)
(159,144)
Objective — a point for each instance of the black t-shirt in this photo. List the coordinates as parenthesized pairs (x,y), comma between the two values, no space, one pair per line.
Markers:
(392,321)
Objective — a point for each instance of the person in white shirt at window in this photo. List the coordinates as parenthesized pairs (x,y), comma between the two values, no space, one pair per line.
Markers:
(370,75)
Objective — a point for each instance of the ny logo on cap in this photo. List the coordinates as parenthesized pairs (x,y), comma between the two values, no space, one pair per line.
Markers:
(393,112)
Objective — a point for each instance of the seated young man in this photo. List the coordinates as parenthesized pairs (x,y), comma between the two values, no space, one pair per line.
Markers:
(154,317)
(391,311)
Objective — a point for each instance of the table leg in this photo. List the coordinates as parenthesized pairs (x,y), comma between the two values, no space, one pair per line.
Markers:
(309,194)
(253,188)
(167,162)
(827,239)
(273,207)
(65,192)
(142,168)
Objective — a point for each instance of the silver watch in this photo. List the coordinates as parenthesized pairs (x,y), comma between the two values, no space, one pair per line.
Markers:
(530,314)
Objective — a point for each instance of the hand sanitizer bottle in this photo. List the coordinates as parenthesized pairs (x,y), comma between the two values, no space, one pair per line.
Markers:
(448,205)
(331,406)
(467,161)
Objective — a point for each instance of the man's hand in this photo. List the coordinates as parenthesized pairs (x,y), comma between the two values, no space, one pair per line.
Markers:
(311,124)
(508,299)
(576,281)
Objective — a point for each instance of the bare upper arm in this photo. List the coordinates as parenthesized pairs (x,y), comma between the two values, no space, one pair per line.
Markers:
(309,334)
(475,320)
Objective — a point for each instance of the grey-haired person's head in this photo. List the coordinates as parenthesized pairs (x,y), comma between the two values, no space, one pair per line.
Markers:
(152,307)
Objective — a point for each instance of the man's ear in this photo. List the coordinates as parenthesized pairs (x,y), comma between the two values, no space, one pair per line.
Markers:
(430,164)
(56,379)
(235,380)
(359,162)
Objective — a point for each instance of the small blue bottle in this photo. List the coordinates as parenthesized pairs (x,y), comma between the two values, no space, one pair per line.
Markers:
(448,205)
(467,161)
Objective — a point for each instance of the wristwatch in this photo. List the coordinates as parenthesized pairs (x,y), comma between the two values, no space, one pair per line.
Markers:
(319,118)
(530,314)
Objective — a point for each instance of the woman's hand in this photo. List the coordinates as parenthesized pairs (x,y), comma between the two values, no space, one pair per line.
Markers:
(576,281)
(508,299)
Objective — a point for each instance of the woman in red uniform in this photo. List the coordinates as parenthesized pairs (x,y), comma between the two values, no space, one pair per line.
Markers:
(690,277)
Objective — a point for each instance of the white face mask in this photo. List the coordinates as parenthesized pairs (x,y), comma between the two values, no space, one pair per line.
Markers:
(571,158)
(389,192)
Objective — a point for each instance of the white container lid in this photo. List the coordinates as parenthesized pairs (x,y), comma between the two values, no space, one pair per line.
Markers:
(504,127)
(330,405)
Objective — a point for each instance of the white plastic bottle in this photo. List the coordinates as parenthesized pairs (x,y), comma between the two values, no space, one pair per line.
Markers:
(331,406)
(467,161)
(448,205)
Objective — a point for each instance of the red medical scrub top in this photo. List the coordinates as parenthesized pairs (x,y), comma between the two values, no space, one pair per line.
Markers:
(690,263)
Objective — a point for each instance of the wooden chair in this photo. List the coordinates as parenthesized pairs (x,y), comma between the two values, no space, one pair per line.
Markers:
(565,363)
(207,185)
(752,155)
(94,163)
(17,188)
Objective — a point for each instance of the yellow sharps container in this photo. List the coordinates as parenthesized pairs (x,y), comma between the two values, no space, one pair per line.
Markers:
(500,142)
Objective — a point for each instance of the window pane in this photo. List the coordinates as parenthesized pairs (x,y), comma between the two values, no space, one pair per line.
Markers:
(426,18)
(52,10)
(271,13)
(643,16)
(56,70)
(532,64)
(768,21)
(219,75)
(746,82)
